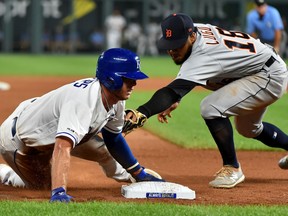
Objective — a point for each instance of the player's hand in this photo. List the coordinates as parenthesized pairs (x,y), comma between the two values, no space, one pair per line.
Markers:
(133,120)
(59,195)
(145,176)
(162,117)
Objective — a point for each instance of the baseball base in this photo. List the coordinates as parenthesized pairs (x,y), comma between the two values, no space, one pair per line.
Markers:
(4,86)
(157,190)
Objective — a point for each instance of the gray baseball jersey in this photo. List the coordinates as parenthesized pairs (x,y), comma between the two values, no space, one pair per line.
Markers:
(247,74)
(220,56)
(73,110)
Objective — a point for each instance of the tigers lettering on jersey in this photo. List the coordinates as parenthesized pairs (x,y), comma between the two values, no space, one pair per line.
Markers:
(229,38)
(208,34)
(232,43)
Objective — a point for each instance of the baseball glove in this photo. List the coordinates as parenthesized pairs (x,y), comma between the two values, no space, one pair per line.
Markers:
(134,119)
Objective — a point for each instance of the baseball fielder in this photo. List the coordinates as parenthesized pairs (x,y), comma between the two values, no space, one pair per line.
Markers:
(245,77)
(69,119)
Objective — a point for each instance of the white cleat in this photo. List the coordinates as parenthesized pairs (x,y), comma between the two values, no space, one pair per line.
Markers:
(5,172)
(228,177)
(9,177)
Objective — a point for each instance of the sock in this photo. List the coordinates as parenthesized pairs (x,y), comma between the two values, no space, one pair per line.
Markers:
(272,136)
(222,132)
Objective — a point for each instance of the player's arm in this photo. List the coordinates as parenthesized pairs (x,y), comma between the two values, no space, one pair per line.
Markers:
(277,40)
(121,152)
(60,165)
(164,101)
(162,117)
(165,97)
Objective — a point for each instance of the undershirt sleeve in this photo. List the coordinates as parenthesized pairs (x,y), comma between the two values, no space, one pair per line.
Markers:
(166,96)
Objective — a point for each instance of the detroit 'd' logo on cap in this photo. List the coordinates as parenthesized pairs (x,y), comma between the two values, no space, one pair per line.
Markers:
(168,33)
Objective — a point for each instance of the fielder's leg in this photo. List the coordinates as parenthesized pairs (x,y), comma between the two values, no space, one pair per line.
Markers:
(274,137)
(222,133)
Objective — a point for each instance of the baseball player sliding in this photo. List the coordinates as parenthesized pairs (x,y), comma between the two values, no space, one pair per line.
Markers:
(245,75)
(66,122)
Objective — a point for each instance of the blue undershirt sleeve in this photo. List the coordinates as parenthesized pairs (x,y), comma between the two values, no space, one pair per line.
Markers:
(120,150)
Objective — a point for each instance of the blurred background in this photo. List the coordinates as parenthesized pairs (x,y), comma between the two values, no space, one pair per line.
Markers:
(86,26)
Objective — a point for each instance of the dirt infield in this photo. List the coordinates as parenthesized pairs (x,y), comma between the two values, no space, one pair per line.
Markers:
(265,183)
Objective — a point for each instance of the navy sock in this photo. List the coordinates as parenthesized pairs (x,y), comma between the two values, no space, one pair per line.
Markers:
(222,132)
(272,136)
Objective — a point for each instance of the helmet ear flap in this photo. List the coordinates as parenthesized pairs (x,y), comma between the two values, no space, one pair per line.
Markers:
(113,82)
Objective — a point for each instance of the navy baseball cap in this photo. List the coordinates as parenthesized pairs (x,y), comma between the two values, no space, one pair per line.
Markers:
(259,2)
(175,29)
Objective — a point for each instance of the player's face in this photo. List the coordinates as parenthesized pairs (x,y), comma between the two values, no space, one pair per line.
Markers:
(180,55)
(125,92)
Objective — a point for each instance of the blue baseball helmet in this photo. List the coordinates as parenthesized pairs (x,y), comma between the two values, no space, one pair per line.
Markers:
(115,63)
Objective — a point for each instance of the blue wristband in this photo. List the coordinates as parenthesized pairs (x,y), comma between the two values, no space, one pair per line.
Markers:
(59,195)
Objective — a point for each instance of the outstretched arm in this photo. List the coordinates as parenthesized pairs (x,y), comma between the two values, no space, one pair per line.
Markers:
(60,165)
(165,97)
(162,117)
(163,101)
(120,150)
(60,162)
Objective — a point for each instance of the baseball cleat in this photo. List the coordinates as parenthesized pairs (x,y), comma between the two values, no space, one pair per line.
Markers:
(5,171)
(9,177)
(283,162)
(227,177)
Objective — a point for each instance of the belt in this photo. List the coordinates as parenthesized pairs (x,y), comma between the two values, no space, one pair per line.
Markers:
(270,61)
(13,128)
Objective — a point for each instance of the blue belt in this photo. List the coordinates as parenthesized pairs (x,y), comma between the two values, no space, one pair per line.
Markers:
(13,129)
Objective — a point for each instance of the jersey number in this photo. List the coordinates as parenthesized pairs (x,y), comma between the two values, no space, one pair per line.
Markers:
(83,83)
(231,44)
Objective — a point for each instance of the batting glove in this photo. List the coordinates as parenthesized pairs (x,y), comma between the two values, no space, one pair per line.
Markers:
(143,176)
(59,195)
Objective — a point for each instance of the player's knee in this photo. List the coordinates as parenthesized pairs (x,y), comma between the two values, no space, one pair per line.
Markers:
(103,156)
(248,131)
(208,111)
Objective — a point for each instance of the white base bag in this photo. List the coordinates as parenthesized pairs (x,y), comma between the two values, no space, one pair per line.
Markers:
(157,190)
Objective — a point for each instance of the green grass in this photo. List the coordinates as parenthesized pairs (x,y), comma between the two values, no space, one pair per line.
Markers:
(110,209)
(186,128)
(47,65)
(71,65)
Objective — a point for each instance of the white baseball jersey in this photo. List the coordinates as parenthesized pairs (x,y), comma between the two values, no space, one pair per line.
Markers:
(74,110)
(212,66)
